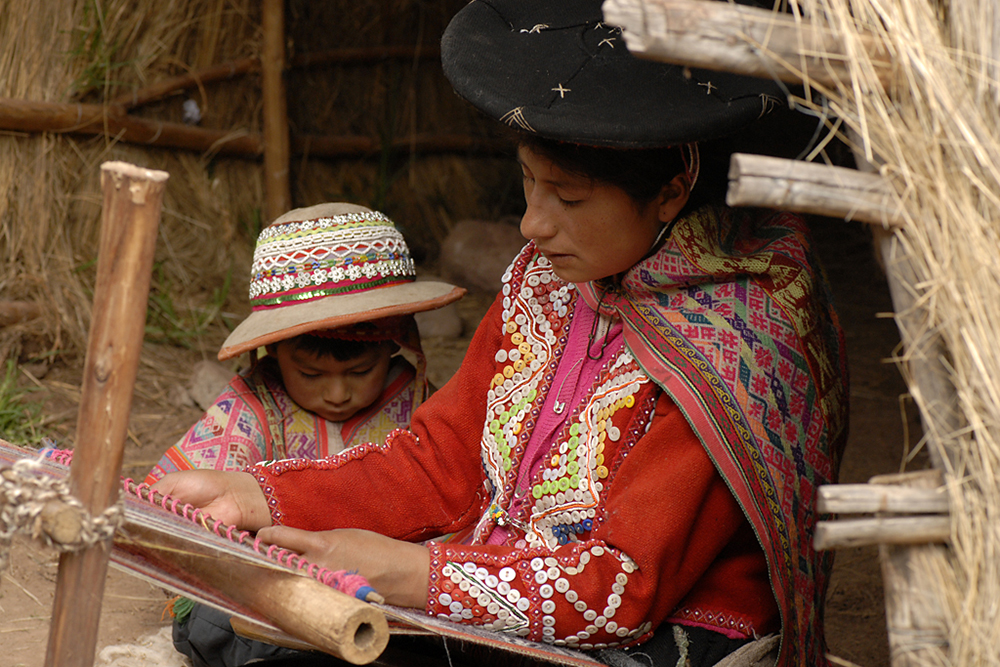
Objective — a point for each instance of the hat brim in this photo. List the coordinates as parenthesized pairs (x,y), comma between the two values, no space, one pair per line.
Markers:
(549,68)
(267,326)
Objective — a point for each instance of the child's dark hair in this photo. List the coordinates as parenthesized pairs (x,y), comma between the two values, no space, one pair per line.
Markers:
(641,173)
(341,349)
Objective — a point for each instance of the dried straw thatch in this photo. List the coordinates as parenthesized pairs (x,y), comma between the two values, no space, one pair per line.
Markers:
(933,133)
(94,51)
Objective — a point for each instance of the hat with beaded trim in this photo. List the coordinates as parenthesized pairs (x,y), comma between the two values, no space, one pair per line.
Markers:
(326,267)
(554,68)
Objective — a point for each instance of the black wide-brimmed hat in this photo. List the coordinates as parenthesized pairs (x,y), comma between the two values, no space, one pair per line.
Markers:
(554,68)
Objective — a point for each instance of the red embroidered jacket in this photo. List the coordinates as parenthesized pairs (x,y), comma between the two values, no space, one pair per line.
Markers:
(649,529)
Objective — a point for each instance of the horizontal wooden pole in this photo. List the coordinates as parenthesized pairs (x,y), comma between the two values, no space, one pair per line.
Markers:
(882,530)
(353,56)
(806,187)
(737,38)
(178,84)
(859,498)
(90,119)
(27,116)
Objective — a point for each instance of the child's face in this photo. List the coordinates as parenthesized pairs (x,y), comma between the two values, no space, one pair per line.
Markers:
(335,390)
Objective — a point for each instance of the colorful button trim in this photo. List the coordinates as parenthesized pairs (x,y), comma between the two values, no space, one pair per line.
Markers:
(525,596)
(567,490)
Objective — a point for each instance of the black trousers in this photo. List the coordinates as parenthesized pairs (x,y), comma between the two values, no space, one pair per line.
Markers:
(207,638)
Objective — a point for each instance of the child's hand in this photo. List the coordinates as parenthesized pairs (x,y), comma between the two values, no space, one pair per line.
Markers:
(396,570)
(231,497)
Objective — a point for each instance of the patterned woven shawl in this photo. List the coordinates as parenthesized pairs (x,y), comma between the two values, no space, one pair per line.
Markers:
(732,318)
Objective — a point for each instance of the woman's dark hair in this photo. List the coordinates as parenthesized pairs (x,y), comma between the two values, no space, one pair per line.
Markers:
(641,173)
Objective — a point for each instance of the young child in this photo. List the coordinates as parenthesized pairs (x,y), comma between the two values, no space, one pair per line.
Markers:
(333,293)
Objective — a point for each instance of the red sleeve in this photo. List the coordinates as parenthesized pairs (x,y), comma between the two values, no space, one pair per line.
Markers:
(668,516)
(414,486)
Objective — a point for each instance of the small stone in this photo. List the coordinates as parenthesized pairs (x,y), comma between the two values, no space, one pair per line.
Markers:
(476,253)
(208,380)
(443,322)
(180,397)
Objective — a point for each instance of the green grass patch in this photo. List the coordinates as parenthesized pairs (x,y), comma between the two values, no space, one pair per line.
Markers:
(20,417)
(166,323)
(100,57)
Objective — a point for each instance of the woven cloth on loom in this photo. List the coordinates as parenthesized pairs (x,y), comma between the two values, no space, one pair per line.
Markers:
(185,523)
(193,527)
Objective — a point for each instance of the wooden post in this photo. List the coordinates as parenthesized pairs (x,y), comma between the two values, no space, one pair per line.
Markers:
(276,142)
(929,379)
(131,214)
(915,617)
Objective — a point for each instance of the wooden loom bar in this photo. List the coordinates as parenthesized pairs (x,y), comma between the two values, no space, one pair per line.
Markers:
(312,612)
(805,187)
(131,214)
(193,555)
(275,110)
(739,39)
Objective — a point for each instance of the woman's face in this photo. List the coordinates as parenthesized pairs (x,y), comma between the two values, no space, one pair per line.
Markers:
(588,229)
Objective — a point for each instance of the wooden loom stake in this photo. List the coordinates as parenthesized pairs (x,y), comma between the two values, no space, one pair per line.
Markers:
(129,220)
(276,140)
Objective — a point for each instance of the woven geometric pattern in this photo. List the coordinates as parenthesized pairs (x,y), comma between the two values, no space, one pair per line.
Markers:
(732,317)
(234,433)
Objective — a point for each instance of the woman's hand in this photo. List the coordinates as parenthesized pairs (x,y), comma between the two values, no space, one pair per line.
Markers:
(397,570)
(231,497)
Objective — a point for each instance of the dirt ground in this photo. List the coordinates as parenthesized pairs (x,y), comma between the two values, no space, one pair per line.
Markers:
(880,422)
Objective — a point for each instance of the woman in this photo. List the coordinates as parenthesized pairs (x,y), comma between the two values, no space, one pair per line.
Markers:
(634,439)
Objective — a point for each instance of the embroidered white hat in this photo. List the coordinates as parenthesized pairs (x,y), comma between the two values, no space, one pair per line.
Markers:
(328,266)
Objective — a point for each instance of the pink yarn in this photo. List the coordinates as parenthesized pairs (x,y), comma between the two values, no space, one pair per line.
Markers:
(346,582)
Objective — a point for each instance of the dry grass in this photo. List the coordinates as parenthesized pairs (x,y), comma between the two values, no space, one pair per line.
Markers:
(933,133)
(101,49)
